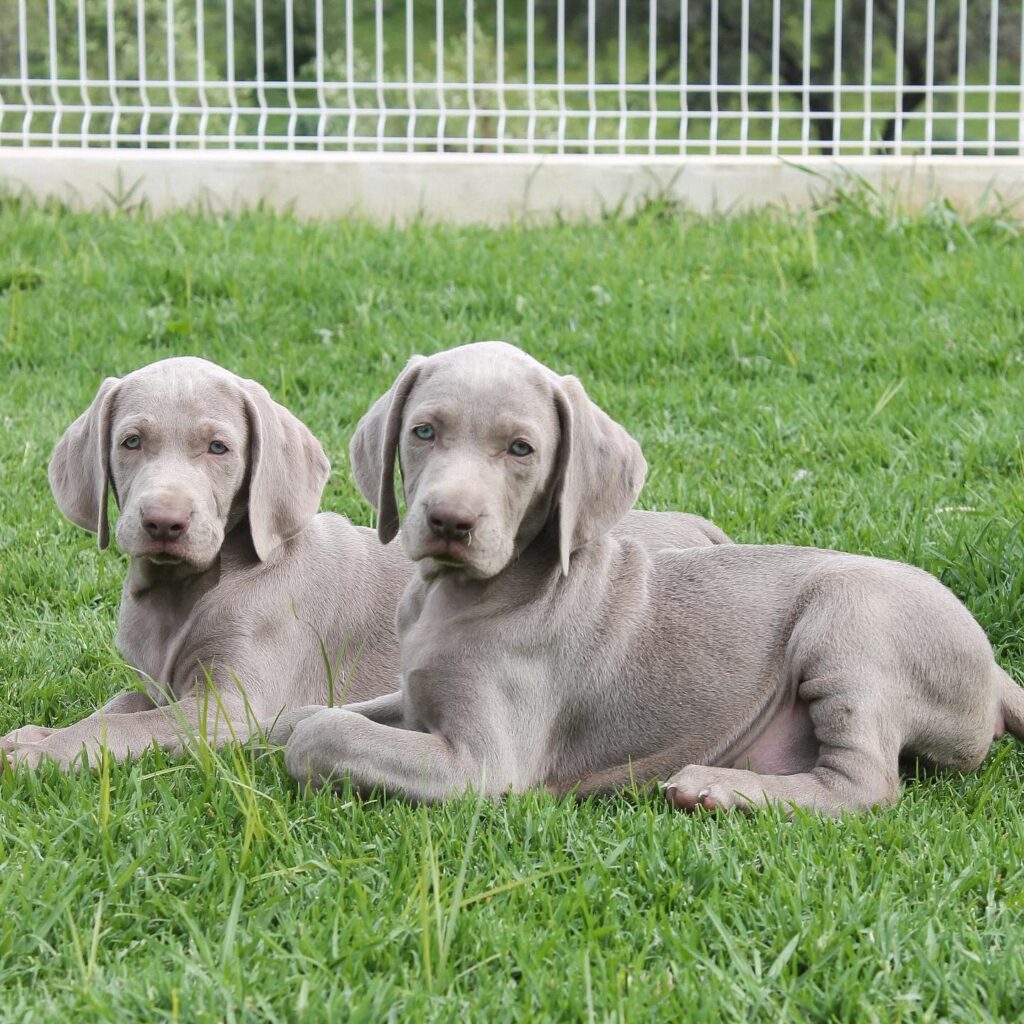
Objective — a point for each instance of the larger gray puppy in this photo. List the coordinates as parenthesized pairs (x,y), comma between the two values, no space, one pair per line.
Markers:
(538,648)
(234,578)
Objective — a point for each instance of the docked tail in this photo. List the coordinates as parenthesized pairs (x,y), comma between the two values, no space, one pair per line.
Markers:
(1011,703)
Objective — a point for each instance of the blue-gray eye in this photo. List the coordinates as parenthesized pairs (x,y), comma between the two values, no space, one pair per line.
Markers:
(217,448)
(520,448)
(132,442)
(425,432)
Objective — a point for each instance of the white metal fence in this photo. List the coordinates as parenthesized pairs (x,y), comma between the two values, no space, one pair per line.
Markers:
(780,77)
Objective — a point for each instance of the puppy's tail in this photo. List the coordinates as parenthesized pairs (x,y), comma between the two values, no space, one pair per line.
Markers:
(1011,704)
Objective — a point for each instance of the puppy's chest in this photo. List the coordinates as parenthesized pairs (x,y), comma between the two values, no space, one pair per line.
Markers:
(440,666)
(148,632)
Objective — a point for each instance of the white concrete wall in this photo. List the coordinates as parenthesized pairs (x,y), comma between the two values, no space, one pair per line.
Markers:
(488,189)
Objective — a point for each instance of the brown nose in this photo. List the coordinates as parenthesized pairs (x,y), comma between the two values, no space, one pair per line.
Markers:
(452,522)
(165,523)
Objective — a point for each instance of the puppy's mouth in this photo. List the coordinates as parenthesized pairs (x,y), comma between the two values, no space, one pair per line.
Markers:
(164,559)
(447,552)
(165,553)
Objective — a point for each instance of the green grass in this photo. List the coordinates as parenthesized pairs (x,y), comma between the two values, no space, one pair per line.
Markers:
(846,379)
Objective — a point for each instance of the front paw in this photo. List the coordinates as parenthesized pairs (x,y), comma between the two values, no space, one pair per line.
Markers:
(283,726)
(315,753)
(31,755)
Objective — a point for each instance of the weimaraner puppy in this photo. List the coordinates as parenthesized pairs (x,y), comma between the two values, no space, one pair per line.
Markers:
(538,648)
(234,578)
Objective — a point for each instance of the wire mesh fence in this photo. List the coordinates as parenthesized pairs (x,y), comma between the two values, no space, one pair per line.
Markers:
(597,77)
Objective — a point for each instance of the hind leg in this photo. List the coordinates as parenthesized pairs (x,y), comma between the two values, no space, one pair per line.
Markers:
(857,764)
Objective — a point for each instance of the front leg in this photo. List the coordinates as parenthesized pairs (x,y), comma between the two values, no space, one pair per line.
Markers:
(127,735)
(129,702)
(422,767)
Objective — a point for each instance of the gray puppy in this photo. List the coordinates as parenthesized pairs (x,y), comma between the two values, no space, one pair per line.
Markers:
(235,580)
(537,648)
(234,577)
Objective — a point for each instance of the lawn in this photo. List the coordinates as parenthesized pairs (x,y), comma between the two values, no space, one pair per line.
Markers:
(849,378)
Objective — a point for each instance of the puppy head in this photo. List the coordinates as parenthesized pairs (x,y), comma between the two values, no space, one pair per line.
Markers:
(494,450)
(188,449)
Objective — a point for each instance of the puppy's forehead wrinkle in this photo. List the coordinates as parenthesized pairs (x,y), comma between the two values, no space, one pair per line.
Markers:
(190,392)
(477,395)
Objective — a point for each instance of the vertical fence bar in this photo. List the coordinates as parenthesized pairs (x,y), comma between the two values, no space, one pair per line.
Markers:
(500,83)
(652,78)
(961,77)
(713,81)
(560,71)
(805,60)
(837,80)
(684,76)
(622,77)
(289,72)
(83,75)
(776,101)
(140,24)
(531,120)
(204,107)
(993,75)
(1020,84)
(869,73)
(350,77)
(410,74)
(172,89)
(261,91)
(900,58)
(26,95)
(378,46)
(51,33)
(229,55)
(439,72)
(591,77)
(321,92)
(744,74)
(471,74)
(115,103)
(929,78)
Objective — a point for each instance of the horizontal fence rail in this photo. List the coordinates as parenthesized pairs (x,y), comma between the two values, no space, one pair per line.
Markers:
(585,77)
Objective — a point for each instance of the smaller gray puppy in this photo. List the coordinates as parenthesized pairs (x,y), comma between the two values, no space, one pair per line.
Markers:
(235,579)
(537,648)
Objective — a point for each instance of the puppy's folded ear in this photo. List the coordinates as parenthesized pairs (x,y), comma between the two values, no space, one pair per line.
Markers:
(599,473)
(287,471)
(374,449)
(80,465)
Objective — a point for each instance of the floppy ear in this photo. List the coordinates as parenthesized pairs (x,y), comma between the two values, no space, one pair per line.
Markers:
(287,471)
(600,470)
(80,465)
(374,449)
